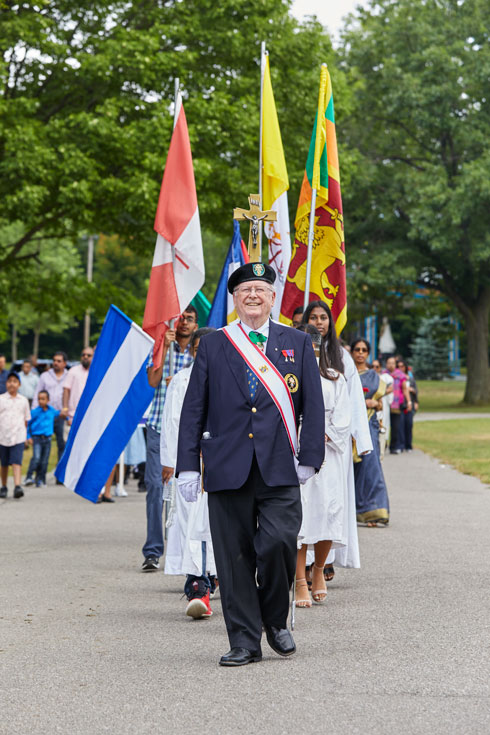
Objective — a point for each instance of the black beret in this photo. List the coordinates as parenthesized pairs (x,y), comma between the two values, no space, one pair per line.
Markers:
(251,272)
(13,374)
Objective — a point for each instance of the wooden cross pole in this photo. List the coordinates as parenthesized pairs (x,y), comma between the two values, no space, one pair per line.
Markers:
(254,215)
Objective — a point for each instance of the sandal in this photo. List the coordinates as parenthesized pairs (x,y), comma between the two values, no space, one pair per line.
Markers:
(303,598)
(319,595)
(328,572)
(308,575)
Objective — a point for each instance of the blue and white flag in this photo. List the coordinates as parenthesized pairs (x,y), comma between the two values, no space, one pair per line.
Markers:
(114,400)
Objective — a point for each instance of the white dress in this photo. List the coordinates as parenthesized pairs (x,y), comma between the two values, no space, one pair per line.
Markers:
(323,496)
(190,526)
(348,556)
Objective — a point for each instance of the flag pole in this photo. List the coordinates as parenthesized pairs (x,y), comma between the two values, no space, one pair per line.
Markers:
(311,232)
(170,500)
(315,180)
(263,54)
(172,321)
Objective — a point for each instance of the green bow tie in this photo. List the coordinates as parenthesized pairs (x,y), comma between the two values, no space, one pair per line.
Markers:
(257,338)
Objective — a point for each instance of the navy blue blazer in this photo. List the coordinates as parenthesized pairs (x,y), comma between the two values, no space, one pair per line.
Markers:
(218,401)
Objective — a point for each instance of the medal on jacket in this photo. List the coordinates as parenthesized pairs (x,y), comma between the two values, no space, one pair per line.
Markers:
(288,355)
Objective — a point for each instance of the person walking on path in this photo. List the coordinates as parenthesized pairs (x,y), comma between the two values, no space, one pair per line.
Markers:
(39,432)
(323,497)
(401,402)
(319,315)
(158,378)
(371,493)
(52,381)
(384,414)
(251,382)
(75,383)
(408,414)
(28,381)
(14,415)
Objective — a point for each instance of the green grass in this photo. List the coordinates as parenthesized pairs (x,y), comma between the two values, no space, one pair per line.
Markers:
(445,396)
(462,443)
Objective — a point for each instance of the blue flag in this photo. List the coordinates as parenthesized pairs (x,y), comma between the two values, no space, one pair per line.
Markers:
(115,398)
(222,311)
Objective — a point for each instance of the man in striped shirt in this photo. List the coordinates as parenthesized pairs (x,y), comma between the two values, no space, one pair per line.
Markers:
(159,378)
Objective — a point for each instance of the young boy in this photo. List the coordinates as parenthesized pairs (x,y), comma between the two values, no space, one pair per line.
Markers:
(39,432)
(14,415)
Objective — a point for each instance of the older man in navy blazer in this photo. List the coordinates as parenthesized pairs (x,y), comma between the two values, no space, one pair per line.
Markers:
(250,472)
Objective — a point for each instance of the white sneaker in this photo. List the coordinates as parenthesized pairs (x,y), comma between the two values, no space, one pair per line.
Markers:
(120,492)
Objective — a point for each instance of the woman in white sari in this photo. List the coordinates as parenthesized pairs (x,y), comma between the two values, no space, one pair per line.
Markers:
(323,497)
(319,315)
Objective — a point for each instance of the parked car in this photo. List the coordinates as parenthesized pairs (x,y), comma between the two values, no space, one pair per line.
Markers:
(42,364)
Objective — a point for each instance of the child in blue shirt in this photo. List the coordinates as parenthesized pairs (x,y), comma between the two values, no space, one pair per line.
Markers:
(39,432)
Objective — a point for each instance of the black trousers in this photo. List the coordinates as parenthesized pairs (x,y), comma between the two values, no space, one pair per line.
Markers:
(254,531)
(408,428)
(397,440)
(59,424)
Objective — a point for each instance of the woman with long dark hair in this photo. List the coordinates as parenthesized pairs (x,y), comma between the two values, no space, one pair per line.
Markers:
(371,493)
(323,496)
(319,315)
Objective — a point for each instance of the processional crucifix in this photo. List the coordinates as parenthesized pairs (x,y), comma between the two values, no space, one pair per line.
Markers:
(254,215)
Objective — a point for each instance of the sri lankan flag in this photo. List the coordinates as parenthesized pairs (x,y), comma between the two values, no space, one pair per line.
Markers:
(328,282)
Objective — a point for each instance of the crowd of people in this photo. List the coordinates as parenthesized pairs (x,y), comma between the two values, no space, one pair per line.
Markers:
(34,406)
(351,410)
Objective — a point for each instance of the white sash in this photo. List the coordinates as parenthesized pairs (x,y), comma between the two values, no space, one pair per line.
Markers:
(268,375)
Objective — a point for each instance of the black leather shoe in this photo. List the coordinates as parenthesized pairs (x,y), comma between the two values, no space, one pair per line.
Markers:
(280,640)
(240,657)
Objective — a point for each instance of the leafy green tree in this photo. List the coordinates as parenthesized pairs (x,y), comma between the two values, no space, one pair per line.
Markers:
(419,73)
(49,297)
(86,94)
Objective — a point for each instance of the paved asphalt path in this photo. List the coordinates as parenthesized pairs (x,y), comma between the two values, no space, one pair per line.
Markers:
(434,416)
(91,645)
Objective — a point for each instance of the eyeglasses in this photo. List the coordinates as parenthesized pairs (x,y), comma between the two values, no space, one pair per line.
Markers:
(186,318)
(360,349)
(259,290)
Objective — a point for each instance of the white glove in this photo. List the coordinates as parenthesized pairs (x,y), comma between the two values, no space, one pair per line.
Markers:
(189,484)
(304,473)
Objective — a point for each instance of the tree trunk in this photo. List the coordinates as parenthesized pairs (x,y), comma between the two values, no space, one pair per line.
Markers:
(478,369)
(15,339)
(35,344)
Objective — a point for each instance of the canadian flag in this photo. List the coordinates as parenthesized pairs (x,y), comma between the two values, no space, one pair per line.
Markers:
(177,271)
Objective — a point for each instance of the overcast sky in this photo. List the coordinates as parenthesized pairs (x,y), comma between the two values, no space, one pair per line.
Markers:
(328,12)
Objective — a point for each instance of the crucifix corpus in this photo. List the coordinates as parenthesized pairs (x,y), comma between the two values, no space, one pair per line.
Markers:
(254,215)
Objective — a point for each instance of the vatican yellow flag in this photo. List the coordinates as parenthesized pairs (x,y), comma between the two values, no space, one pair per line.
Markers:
(275,184)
